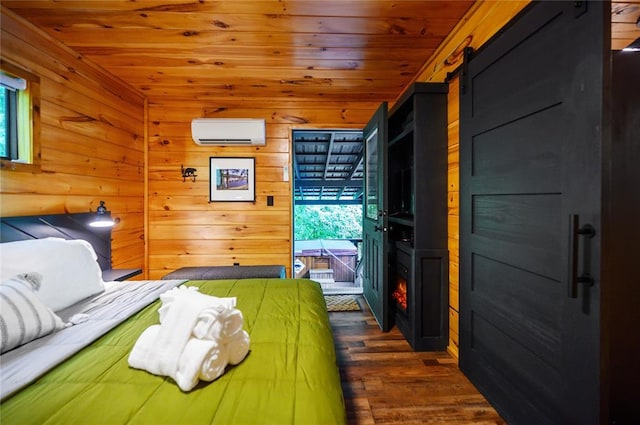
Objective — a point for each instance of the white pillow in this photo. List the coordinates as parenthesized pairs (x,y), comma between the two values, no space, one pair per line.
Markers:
(23,317)
(69,268)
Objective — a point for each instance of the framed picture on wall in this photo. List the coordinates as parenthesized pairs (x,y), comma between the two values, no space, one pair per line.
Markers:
(232,179)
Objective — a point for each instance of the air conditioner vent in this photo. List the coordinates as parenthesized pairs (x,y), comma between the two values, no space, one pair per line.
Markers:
(228,131)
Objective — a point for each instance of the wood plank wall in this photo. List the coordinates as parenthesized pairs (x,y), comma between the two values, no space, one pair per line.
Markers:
(93,149)
(481,22)
(92,144)
(184,228)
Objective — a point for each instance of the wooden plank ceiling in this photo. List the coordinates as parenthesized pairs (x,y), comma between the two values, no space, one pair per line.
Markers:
(357,50)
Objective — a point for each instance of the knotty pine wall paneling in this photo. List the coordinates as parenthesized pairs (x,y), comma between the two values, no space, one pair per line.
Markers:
(184,228)
(92,145)
(481,22)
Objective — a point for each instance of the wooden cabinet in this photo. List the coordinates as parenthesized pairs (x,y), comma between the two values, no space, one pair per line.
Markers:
(417,217)
(412,214)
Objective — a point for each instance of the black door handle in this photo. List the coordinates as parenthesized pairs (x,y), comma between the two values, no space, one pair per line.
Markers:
(575,231)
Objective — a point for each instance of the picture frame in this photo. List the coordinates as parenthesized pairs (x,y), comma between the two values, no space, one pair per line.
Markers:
(232,179)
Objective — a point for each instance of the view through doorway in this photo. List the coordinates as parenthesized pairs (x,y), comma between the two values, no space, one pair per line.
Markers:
(327,215)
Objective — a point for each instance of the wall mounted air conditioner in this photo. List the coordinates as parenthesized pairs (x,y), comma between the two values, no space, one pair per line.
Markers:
(228,131)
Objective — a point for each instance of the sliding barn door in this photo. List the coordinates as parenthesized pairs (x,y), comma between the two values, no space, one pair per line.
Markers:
(374,226)
(531,122)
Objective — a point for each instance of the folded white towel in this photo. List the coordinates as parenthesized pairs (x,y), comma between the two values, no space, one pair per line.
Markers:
(170,349)
(169,297)
(201,359)
(238,347)
(143,349)
(176,329)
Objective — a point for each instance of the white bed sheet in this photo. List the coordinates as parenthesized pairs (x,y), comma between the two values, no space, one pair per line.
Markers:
(99,314)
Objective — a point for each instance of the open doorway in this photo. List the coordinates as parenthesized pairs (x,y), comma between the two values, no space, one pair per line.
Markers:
(327,213)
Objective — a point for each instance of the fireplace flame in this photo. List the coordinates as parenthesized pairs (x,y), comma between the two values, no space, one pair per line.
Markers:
(400,293)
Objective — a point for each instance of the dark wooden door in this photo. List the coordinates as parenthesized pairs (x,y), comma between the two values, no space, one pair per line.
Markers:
(374,228)
(531,123)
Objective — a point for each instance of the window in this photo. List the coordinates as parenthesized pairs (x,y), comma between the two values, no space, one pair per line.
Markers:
(19,118)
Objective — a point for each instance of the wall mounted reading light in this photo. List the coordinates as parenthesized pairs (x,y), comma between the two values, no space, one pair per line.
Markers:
(102,217)
(188,172)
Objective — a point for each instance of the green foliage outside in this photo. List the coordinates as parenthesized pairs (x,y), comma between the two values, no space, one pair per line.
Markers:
(328,222)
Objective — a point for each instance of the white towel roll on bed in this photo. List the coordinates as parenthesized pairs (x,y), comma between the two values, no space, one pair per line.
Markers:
(197,337)
(201,359)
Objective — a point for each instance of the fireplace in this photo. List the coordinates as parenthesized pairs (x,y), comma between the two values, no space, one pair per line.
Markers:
(399,294)
(418,285)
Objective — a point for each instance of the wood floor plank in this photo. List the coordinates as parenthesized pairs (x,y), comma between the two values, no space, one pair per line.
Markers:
(385,382)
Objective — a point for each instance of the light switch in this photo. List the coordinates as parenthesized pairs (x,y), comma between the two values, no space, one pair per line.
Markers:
(285,173)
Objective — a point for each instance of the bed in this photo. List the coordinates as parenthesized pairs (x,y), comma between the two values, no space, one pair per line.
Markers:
(289,376)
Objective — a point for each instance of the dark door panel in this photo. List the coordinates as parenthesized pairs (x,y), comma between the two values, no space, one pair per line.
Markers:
(530,124)
(374,228)
(533,44)
(530,154)
(524,230)
(528,312)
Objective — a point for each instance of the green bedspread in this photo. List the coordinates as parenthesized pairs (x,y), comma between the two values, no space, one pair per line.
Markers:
(290,375)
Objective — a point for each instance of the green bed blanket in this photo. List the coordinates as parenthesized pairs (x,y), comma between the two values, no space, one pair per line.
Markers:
(290,375)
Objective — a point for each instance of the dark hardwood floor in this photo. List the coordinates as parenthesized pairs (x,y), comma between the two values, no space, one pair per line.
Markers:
(385,382)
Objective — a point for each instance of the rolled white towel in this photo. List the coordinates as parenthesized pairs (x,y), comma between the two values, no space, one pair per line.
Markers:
(238,347)
(232,323)
(201,359)
(169,349)
(215,362)
(143,349)
(218,323)
(209,324)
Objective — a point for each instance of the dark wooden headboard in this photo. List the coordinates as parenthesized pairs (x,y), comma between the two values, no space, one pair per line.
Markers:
(66,226)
